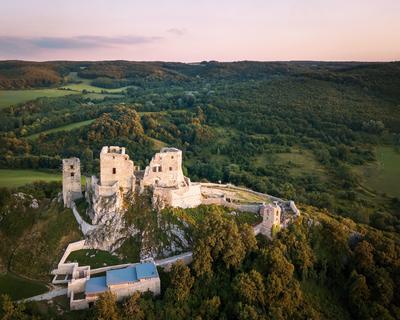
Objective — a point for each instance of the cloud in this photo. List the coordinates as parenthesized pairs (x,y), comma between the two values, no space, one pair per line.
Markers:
(177,31)
(14,45)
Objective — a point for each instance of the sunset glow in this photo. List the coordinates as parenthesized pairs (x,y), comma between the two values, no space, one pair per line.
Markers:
(177,30)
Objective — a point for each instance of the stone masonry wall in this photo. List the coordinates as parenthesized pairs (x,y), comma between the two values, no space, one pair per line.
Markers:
(165,169)
(72,188)
(115,166)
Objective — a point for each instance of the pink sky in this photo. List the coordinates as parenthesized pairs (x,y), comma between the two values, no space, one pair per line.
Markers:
(178,30)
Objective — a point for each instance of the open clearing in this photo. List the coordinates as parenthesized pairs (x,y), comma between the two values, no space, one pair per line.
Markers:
(13,97)
(85,84)
(382,176)
(300,162)
(67,127)
(20,288)
(15,178)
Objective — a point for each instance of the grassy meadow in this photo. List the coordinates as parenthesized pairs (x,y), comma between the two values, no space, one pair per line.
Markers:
(13,97)
(93,258)
(382,176)
(16,178)
(67,127)
(18,288)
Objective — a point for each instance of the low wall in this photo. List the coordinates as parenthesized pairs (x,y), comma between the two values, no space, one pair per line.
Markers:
(79,304)
(294,208)
(167,263)
(241,207)
(73,246)
(83,225)
(231,186)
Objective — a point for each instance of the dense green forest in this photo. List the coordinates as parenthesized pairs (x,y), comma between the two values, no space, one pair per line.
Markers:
(326,135)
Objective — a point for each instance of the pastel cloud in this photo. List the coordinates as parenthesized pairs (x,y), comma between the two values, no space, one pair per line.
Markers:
(17,44)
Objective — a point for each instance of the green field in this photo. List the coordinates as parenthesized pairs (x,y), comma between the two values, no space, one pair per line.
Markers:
(382,176)
(67,127)
(93,258)
(20,288)
(16,178)
(13,97)
(85,84)
(300,162)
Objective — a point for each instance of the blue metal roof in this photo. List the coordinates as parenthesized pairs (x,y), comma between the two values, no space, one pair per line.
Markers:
(119,276)
(96,285)
(146,270)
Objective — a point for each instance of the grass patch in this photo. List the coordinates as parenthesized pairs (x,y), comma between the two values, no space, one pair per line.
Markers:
(94,258)
(130,250)
(67,127)
(19,288)
(382,176)
(158,144)
(300,162)
(86,84)
(14,178)
(13,97)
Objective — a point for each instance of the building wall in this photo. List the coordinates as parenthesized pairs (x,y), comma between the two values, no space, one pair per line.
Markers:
(165,169)
(127,289)
(72,188)
(78,304)
(115,166)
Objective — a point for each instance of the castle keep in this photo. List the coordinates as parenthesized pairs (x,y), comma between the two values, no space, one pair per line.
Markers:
(116,172)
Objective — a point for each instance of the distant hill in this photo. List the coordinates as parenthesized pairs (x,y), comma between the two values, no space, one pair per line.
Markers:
(381,77)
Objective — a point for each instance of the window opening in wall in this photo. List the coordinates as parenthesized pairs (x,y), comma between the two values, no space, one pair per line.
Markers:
(114,170)
(154,169)
(72,166)
(170,168)
(72,174)
(159,169)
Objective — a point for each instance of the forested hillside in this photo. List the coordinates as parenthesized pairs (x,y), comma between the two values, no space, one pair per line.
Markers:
(326,135)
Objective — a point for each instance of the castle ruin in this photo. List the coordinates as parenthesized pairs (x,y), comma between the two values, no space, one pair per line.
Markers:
(271,215)
(118,175)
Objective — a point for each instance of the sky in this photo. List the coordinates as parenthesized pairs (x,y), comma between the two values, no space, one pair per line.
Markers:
(191,31)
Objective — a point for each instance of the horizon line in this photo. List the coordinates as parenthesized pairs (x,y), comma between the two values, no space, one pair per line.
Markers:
(208,61)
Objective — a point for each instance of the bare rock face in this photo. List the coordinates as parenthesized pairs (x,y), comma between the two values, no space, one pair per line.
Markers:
(108,216)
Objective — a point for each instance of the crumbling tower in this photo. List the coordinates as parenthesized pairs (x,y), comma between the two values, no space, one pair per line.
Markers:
(72,187)
(271,214)
(116,170)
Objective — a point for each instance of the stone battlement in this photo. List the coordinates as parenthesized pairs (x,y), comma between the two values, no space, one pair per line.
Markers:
(113,149)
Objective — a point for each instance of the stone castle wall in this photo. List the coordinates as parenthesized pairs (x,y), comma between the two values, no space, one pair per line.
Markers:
(165,169)
(72,187)
(115,166)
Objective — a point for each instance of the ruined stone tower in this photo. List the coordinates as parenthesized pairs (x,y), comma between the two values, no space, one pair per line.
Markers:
(271,214)
(165,169)
(72,188)
(116,171)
